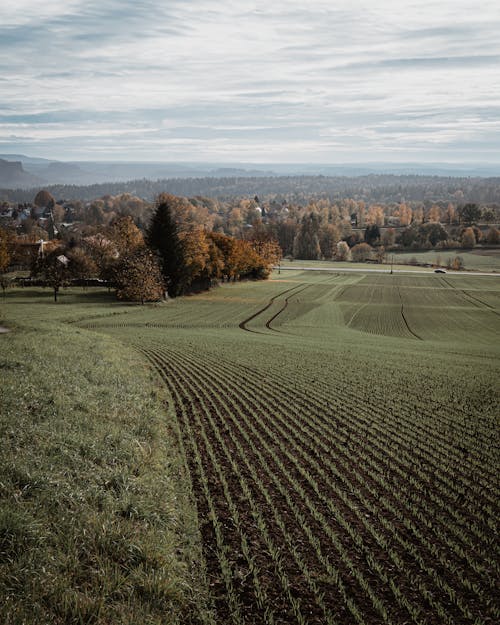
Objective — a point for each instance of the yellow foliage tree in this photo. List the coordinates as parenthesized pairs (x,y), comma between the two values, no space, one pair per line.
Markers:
(139,277)
(5,241)
(126,235)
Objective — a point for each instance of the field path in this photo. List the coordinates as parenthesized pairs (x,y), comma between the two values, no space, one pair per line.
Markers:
(284,307)
(404,318)
(243,324)
(471,298)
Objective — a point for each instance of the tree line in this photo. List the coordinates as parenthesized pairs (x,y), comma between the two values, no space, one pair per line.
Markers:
(297,189)
(174,255)
(227,239)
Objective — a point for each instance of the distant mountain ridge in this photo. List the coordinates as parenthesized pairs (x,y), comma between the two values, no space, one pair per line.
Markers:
(12,173)
(34,171)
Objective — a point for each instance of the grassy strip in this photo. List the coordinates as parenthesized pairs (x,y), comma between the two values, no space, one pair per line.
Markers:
(473,260)
(97,523)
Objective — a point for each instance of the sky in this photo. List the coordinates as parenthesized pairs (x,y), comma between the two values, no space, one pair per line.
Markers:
(251,81)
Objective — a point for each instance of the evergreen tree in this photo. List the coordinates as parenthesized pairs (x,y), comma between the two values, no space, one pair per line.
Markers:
(469,213)
(372,234)
(163,237)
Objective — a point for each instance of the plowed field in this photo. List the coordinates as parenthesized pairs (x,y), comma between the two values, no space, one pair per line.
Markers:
(341,434)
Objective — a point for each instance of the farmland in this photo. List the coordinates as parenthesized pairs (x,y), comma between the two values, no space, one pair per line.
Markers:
(481,260)
(341,436)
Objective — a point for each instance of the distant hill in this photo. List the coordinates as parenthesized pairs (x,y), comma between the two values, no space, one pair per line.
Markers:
(94,172)
(12,175)
(98,172)
(57,173)
(25,160)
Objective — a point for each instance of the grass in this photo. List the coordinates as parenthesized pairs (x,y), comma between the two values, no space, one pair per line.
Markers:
(97,521)
(474,260)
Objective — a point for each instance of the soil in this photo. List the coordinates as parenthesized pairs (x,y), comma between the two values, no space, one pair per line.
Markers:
(301,524)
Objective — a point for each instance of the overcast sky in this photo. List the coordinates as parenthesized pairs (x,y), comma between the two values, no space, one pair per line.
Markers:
(251,81)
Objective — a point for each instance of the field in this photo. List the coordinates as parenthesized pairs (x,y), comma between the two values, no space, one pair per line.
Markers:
(474,260)
(482,260)
(341,436)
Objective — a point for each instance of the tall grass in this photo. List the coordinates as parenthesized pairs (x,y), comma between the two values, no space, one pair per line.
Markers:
(97,521)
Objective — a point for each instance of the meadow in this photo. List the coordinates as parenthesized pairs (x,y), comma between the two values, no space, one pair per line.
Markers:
(477,260)
(336,435)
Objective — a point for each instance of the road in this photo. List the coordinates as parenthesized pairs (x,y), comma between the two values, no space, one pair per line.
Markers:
(384,270)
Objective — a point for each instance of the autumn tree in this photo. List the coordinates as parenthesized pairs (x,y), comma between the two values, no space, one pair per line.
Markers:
(237,259)
(5,242)
(246,262)
(224,245)
(450,213)
(81,265)
(103,252)
(95,213)
(126,235)
(214,266)
(328,238)
(360,214)
(235,221)
(389,238)
(405,214)
(343,251)
(380,254)
(53,268)
(468,238)
(268,250)
(376,215)
(418,215)
(493,236)
(306,242)
(361,252)
(456,263)
(434,214)
(139,277)
(195,256)
(5,256)
(44,199)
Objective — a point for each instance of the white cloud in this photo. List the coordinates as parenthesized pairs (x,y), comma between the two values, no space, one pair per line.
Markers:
(228,78)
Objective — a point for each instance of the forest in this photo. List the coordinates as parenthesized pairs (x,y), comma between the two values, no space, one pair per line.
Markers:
(296,189)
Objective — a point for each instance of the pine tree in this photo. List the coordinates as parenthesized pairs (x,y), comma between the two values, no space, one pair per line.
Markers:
(163,237)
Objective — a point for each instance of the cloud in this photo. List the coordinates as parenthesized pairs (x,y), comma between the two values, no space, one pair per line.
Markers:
(245,78)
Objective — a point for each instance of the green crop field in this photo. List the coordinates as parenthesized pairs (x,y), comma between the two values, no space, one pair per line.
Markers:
(479,259)
(340,432)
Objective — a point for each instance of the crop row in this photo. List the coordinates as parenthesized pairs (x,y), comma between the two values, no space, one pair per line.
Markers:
(339,521)
(382,457)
